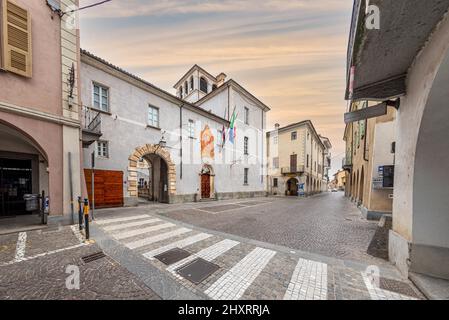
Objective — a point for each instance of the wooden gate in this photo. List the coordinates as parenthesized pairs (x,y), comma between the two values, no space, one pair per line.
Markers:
(205,186)
(108,188)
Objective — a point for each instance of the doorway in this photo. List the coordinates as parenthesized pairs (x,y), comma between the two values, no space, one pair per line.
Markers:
(292,187)
(16,180)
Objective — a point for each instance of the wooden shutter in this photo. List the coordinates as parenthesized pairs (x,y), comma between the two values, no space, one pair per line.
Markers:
(17,53)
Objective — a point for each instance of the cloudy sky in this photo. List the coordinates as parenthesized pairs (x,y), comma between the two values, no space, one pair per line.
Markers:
(289,53)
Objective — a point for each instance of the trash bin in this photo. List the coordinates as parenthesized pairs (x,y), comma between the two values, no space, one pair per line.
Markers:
(31,202)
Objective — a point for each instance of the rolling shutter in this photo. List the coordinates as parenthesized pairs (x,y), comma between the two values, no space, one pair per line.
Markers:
(17,53)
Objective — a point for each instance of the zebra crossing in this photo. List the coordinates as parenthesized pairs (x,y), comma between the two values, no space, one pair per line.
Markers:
(242,266)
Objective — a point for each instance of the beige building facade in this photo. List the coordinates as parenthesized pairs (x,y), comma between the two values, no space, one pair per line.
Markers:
(297,160)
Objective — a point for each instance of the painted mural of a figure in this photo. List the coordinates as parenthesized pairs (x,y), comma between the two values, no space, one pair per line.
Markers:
(207,144)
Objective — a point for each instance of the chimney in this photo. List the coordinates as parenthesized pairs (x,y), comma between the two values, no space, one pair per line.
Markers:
(221,79)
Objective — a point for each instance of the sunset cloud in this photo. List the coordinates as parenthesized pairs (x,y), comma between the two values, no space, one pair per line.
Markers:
(290,54)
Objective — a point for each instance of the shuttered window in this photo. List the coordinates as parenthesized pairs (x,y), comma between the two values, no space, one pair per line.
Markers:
(16,37)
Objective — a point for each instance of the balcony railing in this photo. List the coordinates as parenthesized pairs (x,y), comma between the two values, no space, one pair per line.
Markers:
(91,120)
(292,169)
(347,162)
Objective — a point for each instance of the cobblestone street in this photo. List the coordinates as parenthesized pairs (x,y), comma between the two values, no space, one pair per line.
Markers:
(326,224)
(245,268)
(247,263)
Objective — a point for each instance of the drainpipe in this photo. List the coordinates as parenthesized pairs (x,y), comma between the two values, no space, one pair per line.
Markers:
(364,143)
(180,140)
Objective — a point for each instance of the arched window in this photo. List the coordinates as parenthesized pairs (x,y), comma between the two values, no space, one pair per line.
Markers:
(180,91)
(191,83)
(186,88)
(203,85)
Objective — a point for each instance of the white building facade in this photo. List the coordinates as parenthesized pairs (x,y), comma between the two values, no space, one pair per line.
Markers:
(170,148)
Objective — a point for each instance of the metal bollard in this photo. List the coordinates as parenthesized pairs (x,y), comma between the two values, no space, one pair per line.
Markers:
(80,213)
(86,218)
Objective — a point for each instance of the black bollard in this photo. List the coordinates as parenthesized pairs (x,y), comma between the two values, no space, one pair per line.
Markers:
(80,213)
(86,218)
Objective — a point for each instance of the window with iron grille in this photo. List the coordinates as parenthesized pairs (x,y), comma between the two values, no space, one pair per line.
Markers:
(246,115)
(275,182)
(103,149)
(245,176)
(276,163)
(246,146)
(203,85)
(294,135)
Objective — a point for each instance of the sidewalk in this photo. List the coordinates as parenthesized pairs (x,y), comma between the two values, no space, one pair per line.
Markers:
(34,266)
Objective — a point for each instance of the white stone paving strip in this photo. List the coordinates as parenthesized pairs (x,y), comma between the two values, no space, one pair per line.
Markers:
(178,244)
(77,233)
(377,293)
(209,254)
(233,284)
(130,225)
(138,232)
(20,247)
(160,237)
(308,282)
(130,218)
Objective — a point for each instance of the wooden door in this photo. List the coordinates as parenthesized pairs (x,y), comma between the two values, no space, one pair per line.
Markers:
(205,186)
(163,183)
(293,163)
(108,188)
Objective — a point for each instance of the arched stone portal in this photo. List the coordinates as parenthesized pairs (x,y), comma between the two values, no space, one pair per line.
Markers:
(292,187)
(169,186)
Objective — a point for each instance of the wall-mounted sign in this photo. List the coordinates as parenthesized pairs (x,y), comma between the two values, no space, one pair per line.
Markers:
(366,113)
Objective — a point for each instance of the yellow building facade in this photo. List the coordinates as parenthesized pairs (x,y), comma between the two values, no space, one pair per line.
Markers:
(369,162)
(296,160)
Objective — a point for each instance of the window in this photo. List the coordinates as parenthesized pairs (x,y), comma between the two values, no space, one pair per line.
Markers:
(245,176)
(16,34)
(101,98)
(294,135)
(275,182)
(246,146)
(103,149)
(191,129)
(186,88)
(181,90)
(203,85)
(191,83)
(214,87)
(153,117)
(276,163)
(141,183)
(246,115)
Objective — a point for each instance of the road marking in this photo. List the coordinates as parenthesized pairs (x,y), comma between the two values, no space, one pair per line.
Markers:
(147,241)
(76,231)
(233,284)
(106,221)
(377,293)
(178,244)
(138,232)
(308,282)
(44,254)
(209,254)
(131,224)
(20,247)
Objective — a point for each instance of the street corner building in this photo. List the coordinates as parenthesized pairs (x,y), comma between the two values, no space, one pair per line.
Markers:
(299,160)
(40,150)
(206,142)
(406,93)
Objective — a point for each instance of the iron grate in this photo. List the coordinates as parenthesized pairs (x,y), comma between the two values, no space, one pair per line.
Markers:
(172,256)
(198,270)
(93,257)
